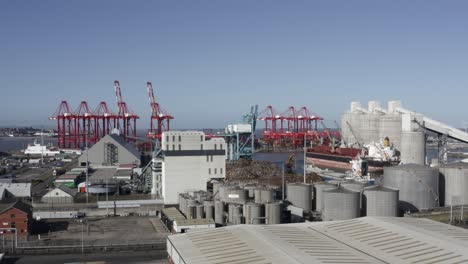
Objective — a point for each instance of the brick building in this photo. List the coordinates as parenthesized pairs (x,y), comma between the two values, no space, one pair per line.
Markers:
(15,214)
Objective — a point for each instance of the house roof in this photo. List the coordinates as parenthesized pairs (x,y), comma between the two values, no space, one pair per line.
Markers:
(68,190)
(5,206)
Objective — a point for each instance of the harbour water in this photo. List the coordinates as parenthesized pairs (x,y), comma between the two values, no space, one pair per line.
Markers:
(19,143)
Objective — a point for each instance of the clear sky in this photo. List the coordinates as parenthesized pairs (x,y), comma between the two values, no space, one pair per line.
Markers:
(210,60)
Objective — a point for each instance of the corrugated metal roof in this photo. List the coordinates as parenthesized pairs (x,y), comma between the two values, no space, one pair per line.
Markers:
(173,214)
(189,222)
(361,240)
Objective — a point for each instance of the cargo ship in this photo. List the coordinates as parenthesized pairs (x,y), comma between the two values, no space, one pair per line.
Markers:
(371,158)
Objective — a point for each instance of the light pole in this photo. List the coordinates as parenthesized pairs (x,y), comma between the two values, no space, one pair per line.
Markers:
(305,149)
(282,179)
(82,237)
(107,197)
(87,168)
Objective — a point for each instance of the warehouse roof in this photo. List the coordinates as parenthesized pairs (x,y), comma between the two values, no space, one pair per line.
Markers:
(361,240)
(173,214)
(17,189)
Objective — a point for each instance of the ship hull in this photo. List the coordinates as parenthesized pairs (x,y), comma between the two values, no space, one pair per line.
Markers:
(341,162)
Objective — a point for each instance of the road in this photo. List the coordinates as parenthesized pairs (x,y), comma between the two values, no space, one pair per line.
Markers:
(142,257)
(40,189)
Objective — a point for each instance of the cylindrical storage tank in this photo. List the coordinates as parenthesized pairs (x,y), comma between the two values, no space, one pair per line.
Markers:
(454,183)
(390,127)
(216,189)
(380,201)
(253,212)
(200,213)
(251,190)
(182,203)
(355,186)
(340,204)
(257,195)
(209,209)
(413,148)
(263,195)
(235,214)
(273,213)
(352,119)
(267,195)
(221,192)
(418,185)
(191,212)
(369,130)
(319,187)
(219,212)
(235,195)
(300,195)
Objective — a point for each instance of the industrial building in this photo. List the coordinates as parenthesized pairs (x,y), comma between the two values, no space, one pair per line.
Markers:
(111,150)
(15,217)
(178,223)
(362,240)
(405,130)
(20,190)
(189,162)
(60,195)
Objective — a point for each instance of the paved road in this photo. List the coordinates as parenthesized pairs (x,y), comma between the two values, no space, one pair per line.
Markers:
(143,257)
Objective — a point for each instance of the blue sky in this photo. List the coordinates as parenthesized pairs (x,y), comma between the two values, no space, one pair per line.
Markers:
(210,60)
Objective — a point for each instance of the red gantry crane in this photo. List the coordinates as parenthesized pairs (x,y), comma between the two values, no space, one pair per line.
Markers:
(160,119)
(126,118)
(294,125)
(85,125)
(106,119)
(65,125)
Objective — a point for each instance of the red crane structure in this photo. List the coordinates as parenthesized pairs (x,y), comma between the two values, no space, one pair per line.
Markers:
(126,118)
(289,128)
(76,129)
(160,119)
(106,120)
(86,125)
(66,124)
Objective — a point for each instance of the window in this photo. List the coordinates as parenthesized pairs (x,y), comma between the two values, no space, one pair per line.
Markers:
(207,158)
(211,158)
(173,147)
(215,146)
(111,154)
(209,171)
(56,193)
(12,215)
(180,138)
(201,146)
(173,138)
(220,170)
(201,138)
(167,147)
(180,147)
(221,146)
(216,171)
(167,138)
